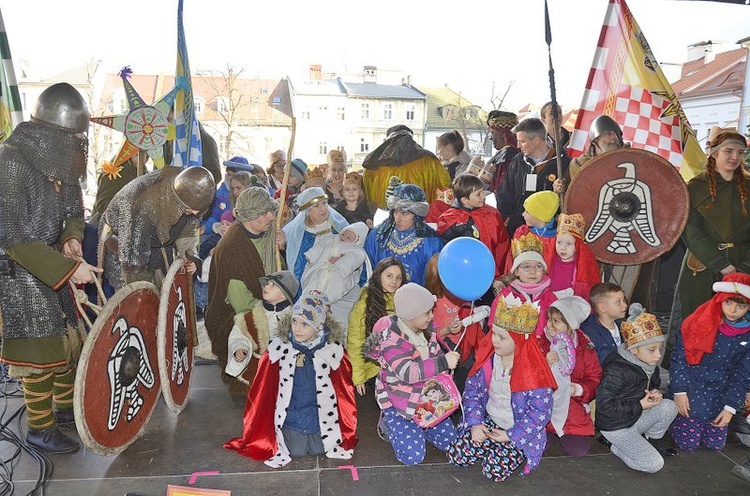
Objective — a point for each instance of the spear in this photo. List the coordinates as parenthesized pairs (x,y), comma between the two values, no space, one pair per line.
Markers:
(287,171)
(553,93)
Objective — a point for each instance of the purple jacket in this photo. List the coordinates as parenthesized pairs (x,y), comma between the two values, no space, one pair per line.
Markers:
(532,411)
(402,370)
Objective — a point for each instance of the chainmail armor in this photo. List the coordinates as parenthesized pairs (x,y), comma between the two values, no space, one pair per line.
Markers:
(33,208)
(145,215)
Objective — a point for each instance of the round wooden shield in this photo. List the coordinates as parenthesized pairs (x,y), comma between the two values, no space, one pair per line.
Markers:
(635,204)
(117,381)
(175,333)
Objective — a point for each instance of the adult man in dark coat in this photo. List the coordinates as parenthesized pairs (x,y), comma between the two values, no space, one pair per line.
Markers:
(533,170)
(41,228)
(244,254)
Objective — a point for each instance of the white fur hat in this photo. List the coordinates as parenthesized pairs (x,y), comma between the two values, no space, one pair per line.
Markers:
(574,308)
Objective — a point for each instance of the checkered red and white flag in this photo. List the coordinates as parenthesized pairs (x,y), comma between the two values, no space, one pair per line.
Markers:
(626,83)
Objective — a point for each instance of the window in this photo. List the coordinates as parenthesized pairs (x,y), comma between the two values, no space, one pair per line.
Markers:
(323,148)
(305,114)
(387,111)
(221,105)
(411,110)
(264,91)
(340,114)
(364,146)
(365,111)
(198,106)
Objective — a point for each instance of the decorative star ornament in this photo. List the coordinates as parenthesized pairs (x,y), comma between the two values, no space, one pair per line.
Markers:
(145,126)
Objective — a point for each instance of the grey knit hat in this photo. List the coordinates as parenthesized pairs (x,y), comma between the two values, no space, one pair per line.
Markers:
(252,203)
(412,300)
(285,281)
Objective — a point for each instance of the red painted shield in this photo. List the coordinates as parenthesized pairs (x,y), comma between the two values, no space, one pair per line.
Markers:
(117,381)
(176,331)
(635,204)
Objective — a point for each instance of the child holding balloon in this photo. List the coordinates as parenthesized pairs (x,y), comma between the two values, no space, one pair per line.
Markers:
(459,324)
(570,261)
(470,216)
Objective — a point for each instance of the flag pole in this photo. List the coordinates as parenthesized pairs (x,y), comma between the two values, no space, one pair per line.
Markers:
(553,97)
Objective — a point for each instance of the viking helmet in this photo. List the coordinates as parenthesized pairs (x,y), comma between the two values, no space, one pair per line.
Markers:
(195,187)
(63,106)
(604,124)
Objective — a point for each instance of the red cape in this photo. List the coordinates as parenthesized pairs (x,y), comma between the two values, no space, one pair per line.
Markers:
(258,439)
(491,227)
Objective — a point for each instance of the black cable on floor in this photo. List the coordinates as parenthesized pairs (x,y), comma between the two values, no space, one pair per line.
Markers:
(11,388)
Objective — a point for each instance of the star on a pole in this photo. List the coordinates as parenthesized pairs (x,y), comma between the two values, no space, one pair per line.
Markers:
(145,126)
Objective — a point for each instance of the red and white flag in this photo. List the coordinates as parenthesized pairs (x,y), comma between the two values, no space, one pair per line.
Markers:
(627,84)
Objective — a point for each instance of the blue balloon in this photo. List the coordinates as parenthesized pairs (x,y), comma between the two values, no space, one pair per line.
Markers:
(466,268)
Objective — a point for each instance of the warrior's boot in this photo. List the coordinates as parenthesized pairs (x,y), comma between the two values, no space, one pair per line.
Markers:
(43,431)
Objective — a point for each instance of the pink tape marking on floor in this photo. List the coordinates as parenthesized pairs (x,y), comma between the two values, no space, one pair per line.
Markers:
(195,475)
(352,469)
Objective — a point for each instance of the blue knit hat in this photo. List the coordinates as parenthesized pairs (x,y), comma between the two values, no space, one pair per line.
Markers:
(299,169)
(410,198)
(238,163)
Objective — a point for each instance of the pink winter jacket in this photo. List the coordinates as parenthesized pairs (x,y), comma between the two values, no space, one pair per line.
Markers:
(402,370)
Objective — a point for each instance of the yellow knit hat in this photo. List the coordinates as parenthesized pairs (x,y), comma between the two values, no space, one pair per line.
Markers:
(543,205)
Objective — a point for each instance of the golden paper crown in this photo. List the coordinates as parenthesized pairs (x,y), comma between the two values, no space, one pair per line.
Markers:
(522,318)
(482,171)
(335,156)
(572,224)
(446,195)
(527,242)
(353,177)
(315,174)
(644,327)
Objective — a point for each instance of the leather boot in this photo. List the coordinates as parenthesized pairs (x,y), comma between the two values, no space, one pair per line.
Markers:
(52,440)
(65,416)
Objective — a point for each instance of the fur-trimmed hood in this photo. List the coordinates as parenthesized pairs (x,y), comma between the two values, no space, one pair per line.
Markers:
(335,329)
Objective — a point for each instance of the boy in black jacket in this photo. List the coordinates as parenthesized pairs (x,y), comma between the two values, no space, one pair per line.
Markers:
(629,403)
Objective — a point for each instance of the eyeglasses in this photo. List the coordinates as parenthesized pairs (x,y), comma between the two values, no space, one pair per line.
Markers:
(529,268)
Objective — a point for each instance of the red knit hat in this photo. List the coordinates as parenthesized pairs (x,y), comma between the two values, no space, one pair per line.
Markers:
(700,328)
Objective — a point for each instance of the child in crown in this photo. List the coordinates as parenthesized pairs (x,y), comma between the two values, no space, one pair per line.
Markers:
(529,283)
(571,262)
(710,366)
(354,207)
(629,404)
(507,400)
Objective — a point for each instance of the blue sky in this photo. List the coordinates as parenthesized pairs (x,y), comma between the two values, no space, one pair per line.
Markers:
(470,45)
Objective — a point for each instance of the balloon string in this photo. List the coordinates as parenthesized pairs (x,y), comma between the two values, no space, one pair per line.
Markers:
(465,329)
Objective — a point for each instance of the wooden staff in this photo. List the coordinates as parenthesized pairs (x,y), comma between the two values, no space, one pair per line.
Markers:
(284,183)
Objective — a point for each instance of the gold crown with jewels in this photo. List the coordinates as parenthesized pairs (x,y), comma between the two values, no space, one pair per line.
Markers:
(574,224)
(527,242)
(522,319)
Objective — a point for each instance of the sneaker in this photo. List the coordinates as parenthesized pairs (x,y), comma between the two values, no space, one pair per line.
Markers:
(382,429)
(603,440)
(742,471)
(51,440)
